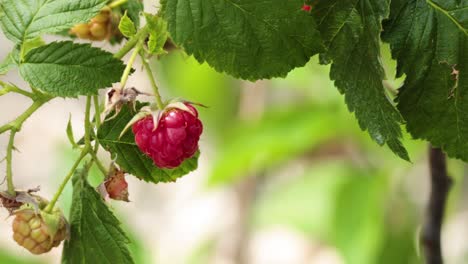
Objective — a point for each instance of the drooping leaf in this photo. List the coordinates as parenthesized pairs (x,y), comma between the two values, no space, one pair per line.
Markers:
(95,233)
(23,20)
(247,39)
(158,34)
(129,156)
(351,30)
(429,39)
(66,69)
(126,26)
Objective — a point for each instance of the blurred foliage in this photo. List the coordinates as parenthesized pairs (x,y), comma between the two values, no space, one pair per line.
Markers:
(7,258)
(343,206)
(347,202)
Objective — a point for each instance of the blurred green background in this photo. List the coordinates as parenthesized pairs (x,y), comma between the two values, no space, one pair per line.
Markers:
(286,177)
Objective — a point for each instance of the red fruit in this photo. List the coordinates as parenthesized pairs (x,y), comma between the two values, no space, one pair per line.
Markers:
(306,8)
(175,138)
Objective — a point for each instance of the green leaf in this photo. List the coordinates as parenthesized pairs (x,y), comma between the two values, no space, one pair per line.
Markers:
(430,42)
(134,8)
(66,69)
(70,135)
(26,19)
(32,44)
(277,138)
(13,58)
(9,62)
(158,34)
(95,233)
(129,156)
(126,26)
(351,30)
(247,39)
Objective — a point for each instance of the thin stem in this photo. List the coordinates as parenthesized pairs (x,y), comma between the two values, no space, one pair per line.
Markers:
(131,43)
(117,3)
(98,163)
(12,88)
(51,205)
(9,156)
(18,122)
(97,111)
(440,186)
(87,122)
(97,118)
(22,50)
(127,70)
(157,95)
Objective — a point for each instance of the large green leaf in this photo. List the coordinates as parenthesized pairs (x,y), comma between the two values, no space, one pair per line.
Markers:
(129,156)
(95,233)
(25,19)
(429,39)
(351,29)
(247,39)
(68,70)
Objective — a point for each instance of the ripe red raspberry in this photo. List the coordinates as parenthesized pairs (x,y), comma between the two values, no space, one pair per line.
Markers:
(175,138)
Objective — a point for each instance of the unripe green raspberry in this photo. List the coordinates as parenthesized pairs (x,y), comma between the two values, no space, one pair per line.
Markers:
(33,232)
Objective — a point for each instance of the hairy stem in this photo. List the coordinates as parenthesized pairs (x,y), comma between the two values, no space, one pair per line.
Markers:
(440,186)
(127,70)
(52,203)
(87,122)
(132,42)
(18,122)
(13,88)
(97,118)
(98,163)
(157,95)
(97,111)
(9,156)
(86,150)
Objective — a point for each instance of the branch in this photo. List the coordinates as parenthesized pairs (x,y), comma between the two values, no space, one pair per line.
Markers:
(440,186)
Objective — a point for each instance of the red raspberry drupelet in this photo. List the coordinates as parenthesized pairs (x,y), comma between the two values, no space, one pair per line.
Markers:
(174,140)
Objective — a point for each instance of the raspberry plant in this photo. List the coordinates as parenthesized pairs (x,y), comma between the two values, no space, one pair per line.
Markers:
(246,39)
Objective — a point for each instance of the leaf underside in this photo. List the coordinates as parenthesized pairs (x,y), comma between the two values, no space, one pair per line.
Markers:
(247,39)
(431,46)
(351,31)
